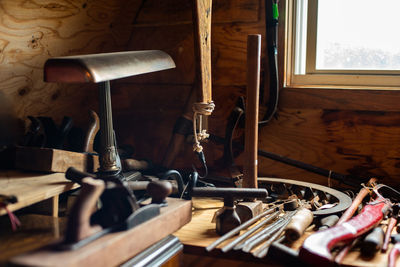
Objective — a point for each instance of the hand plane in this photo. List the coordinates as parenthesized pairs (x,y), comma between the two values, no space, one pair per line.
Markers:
(118,210)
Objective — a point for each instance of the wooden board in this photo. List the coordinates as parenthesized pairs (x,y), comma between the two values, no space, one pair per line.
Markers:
(54,160)
(31,188)
(115,248)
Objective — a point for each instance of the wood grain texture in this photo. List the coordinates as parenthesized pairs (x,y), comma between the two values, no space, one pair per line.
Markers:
(161,12)
(54,160)
(35,231)
(250,166)
(33,31)
(202,41)
(31,188)
(359,143)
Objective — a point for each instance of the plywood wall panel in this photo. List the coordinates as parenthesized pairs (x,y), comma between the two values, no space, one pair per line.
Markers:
(33,31)
(229,46)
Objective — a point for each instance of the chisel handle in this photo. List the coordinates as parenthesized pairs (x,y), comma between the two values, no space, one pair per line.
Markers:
(316,249)
(298,224)
(372,243)
(392,223)
(393,255)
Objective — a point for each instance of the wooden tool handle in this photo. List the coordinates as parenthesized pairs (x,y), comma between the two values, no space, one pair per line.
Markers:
(229,192)
(393,255)
(392,223)
(252,100)
(298,224)
(328,222)
(372,242)
(316,249)
(159,190)
(79,226)
(356,202)
(93,128)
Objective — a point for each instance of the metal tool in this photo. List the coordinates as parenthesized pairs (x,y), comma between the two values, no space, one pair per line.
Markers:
(316,249)
(101,68)
(269,233)
(119,208)
(262,251)
(254,240)
(56,135)
(228,218)
(343,200)
(267,229)
(250,232)
(236,230)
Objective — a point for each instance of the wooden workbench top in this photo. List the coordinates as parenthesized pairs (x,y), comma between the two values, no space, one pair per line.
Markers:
(31,188)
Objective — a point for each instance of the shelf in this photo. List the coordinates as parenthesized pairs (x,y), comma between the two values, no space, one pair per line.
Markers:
(31,188)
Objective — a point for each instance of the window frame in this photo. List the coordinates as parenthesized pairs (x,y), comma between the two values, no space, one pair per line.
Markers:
(353,79)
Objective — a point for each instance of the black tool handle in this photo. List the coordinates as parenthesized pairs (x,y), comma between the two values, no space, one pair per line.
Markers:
(232,192)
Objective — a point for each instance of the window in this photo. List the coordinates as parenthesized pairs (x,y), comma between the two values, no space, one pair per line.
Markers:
(343,43)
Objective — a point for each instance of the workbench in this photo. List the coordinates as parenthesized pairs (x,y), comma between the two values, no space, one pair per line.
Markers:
(200,232)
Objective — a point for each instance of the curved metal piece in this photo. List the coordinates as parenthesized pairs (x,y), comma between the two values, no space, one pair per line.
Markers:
(105,66)
(344,200)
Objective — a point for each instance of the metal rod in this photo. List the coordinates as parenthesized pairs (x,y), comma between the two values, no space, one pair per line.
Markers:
(249,232)
(238,229)
(248,247)
(253,242)
(260,233)
(108,154)
(263,250)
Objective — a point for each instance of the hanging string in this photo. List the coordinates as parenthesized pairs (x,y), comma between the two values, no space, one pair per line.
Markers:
(329,178)
(200,109)
(13,219)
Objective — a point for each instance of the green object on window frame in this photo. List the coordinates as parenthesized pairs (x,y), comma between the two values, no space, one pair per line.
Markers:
(275,12)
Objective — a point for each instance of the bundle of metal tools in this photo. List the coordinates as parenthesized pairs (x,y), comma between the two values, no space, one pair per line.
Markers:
(289,209)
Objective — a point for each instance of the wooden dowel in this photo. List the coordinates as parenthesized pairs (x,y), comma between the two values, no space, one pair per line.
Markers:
(252,103)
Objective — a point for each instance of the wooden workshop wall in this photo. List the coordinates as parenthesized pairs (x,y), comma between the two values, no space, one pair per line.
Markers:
(31,32)
(353,132)
(346,131)
(148,106)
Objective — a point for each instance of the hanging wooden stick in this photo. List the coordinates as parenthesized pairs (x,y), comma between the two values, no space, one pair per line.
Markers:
(202,40)
(251,126)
